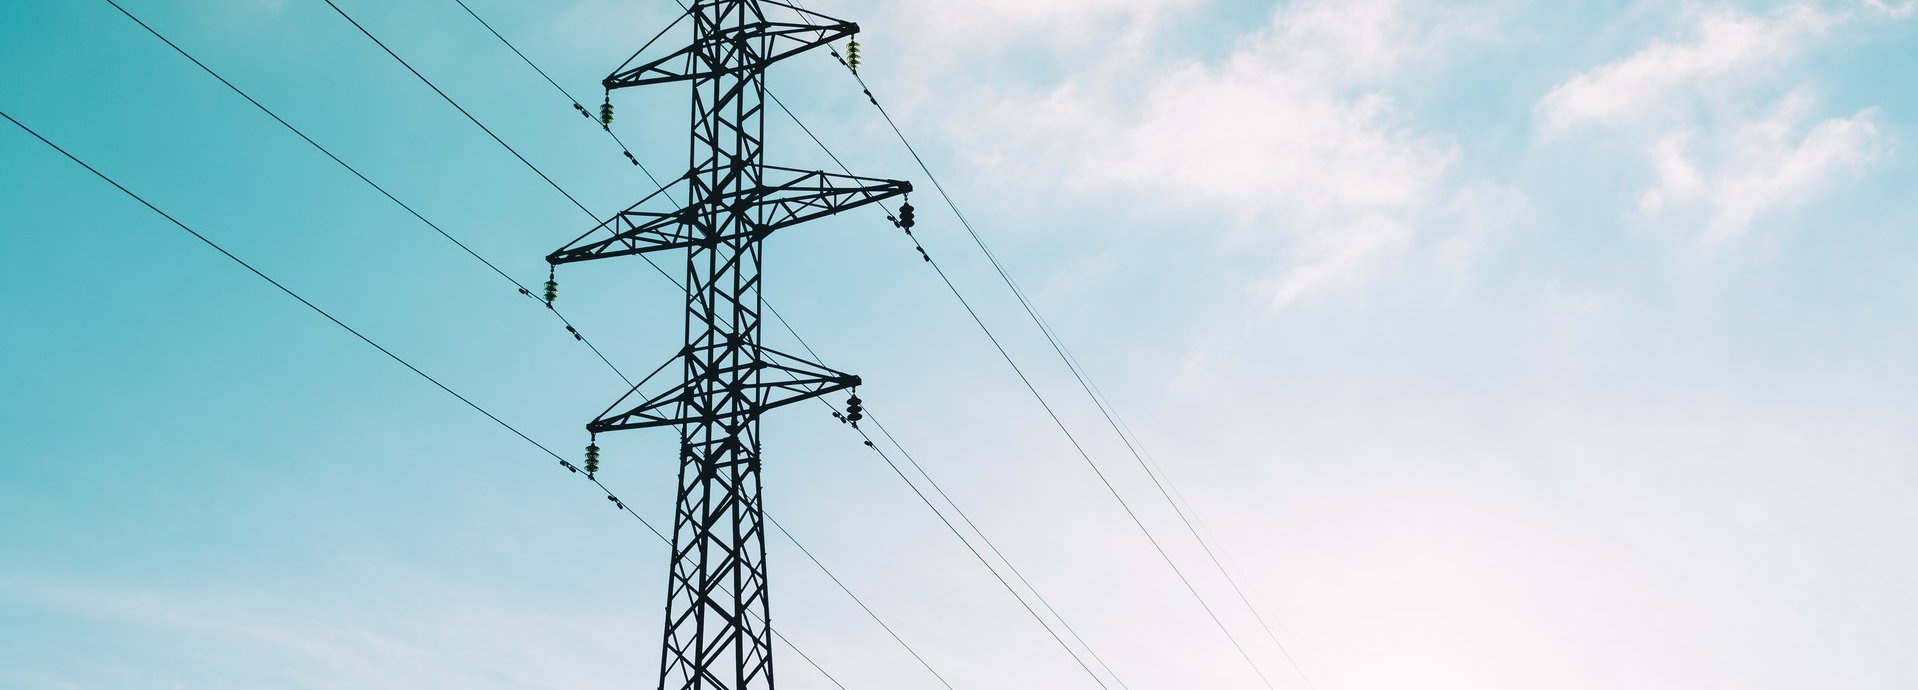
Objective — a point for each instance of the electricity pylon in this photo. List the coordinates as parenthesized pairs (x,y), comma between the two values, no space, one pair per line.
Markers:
(718,621)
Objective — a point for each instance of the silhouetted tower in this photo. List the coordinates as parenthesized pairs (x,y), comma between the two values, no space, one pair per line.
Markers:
(718,627)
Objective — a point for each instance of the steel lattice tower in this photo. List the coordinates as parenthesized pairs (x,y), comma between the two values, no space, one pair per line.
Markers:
(718,632)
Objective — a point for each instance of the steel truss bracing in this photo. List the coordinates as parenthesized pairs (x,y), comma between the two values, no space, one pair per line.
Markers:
(718,634)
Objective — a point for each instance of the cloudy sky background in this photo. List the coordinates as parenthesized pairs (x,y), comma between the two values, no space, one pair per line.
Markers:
(1501,345)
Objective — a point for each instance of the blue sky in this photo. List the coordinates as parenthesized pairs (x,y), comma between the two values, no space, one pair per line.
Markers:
(1502,345)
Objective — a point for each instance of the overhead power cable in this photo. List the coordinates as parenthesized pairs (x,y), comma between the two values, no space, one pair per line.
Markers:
(502,142)
(1106,409)
(1237,645)
(967,519)
(1103,479)
(416,370)
(577,335)
(489,131)
(982,559)
(867,439)
(581,109)
(1057,421)
(994,548)
(842,587)
(1186,513)
(456,106)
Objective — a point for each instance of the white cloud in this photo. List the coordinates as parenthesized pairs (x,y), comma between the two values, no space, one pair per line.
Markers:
(265,640)
(1339,259)
(1055,21)
(1900,10)
(1724,152)
(1769,164)
(1294,136)
(1728,50)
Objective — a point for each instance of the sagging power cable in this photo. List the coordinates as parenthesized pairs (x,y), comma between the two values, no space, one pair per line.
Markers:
(396,359)
(577,335)
(1186,514)
(197,235)
(475,255)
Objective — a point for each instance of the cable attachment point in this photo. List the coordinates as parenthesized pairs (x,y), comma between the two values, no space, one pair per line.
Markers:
(592,458)
(852,56)
(606,111)
(854,412)
(552,288)
(905,217)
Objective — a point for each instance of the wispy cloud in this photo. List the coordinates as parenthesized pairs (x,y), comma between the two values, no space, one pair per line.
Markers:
(1294,137)
(1061,23)
(1771,163)
(1730,134)
(1726,49)
(264,640)
(1896,10)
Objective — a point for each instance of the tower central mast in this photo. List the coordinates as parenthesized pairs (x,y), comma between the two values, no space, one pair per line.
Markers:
(718,633)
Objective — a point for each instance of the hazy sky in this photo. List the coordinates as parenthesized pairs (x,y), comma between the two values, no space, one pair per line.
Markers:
(1502,346)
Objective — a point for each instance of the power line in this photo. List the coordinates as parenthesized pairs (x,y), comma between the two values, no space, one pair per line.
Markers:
(605,127)
(1202,534)
(842,586)
(409,366)
(963,517)
(975,528)
(1034,390)
(982,559)
(950,286)
(1103,480)
(269,279)
(502,142)
(375,185)
(1017,574)
(489,132)
(1105,407)
(915,463)
(928,476)
(456,106)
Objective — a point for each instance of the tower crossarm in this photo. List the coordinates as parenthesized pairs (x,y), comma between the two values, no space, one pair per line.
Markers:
(780,379)
(774,41)
(808,195)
